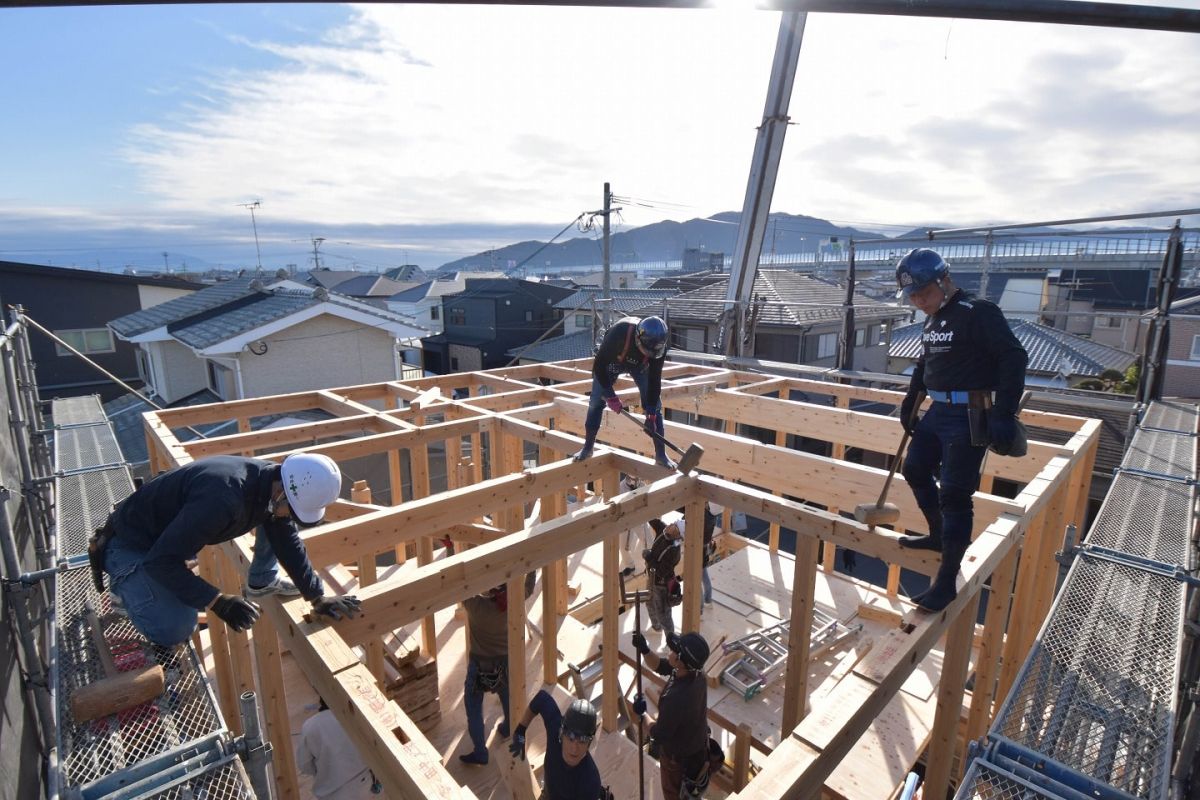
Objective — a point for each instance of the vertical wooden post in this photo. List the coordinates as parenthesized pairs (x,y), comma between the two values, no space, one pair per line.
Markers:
(518,694)
(239,643)
(950,697)
(1014,653)
(610,625)
(367,575)
(804,581)
(1084,469)
(987,667)
(552,591)
(1044,581)
(272,696)
(693,563)
(418,465)
(741,757)
(893,580)
(218,633)
(773,531)
(396,479)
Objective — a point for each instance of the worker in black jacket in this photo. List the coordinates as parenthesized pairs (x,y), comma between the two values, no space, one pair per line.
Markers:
(661,559)
(153,533)
(569,771)
(973,369)
(681,730)
(638,347)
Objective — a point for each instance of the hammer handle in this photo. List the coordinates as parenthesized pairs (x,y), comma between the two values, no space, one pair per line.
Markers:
(653,434)
(900,450)
(105,655)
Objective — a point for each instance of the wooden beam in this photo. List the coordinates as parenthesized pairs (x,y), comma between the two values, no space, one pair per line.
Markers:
(693,563)
(987,665)
(382,442)
(610,626)
(388,606)
(361,493)
(273,696)
(804,580)
(951,687)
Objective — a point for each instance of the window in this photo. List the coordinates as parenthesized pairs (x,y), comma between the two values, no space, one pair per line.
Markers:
(434,312)
(827,345)
(583,320)
(1108,322)
(457,316)
(873,334)
(529,316)
(1195,356)
(860,337)
(86,340)
(220,381)
(453,364)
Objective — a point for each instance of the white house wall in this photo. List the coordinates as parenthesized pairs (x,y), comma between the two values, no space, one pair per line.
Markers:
(316,354)
(177,370)
(154,295)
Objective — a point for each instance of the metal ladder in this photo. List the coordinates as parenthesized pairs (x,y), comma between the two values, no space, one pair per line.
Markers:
(765,651)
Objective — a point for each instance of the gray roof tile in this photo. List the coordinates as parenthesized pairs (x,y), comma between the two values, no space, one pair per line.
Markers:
(148,319)
(572,345)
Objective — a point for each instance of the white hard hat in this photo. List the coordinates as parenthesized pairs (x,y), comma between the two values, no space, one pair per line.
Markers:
(311,481)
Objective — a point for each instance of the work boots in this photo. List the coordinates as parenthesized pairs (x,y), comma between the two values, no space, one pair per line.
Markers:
(589,442)
(944,587)
(931,542)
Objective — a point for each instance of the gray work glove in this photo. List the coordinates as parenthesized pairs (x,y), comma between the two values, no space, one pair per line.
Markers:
(337,607)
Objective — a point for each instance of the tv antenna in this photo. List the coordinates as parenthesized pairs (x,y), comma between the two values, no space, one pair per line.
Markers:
(253,222)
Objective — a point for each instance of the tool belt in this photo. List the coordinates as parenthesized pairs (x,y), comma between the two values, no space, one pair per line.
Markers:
(97,544)
(978,405)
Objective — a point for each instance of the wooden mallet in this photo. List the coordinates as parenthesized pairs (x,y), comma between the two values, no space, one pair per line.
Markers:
(881,512)
(116,691)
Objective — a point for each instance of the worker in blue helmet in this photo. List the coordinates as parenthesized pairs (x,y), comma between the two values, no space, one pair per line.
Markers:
(973,369)
(637,347)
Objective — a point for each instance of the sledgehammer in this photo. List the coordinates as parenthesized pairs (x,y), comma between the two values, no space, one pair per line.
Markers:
(880,512)
(116,691)
(688,461)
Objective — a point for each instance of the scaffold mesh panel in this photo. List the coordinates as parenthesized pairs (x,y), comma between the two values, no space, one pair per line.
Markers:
(985,782)
(85,447)
(1097,692)
(184,712)
(1146,517)
(84,502)
(1162,452)
(226,781)
(77,410)
(1171,416)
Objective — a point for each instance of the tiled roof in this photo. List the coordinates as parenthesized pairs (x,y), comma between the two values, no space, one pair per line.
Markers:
(623,299)
(219,325)
(792,299)
(1050,350)
(1114,424)
(148,319)
(330,278)
(371,286)
(573,345)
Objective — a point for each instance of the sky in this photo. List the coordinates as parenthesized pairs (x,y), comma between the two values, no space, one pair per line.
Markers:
(424,133)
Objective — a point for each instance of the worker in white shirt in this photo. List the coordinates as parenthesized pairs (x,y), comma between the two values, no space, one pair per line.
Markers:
(638,538)
(326,753)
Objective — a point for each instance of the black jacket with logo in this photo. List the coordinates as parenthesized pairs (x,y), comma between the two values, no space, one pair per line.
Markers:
(968,345)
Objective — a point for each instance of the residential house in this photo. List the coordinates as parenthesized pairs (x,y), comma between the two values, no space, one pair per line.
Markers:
(798,320)
(486,320)
(372,288)
(407,273)
(76,305)
(423,302)
(1056,358)
(245,338)
(1181,376)
(690,281)
(1124,293)
(617,279)
(584,310)
(577,344)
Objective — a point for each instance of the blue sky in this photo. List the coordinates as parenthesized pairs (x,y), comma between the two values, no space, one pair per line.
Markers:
(424,133)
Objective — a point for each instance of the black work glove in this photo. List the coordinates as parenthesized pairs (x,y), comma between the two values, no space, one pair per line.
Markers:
(849,560)
(517,745)
(337,607)
(639,644)
(237,612)
(1002,430)
(639,705)
(907,407)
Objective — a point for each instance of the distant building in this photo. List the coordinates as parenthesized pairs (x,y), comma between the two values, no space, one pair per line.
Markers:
(490,317)
(696,258)
(76,304)
(1181,377)
(584,309)
(408,273)
(423,302)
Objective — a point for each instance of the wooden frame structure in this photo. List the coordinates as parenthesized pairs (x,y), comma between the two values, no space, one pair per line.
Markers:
(513,512)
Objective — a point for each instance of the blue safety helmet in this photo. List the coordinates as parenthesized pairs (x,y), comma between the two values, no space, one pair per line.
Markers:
(652,336)
(918,269)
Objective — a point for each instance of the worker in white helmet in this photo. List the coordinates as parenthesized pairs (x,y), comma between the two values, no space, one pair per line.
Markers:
(151,535)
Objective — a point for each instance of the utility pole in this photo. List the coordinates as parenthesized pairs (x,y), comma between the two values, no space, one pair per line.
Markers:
(166,265)
(989,241)
(254,223)
(317,256)
(607,283)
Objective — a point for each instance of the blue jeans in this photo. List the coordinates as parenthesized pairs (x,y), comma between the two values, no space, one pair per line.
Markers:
(152,607)
(942,469)
(473,701)
(596,408)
